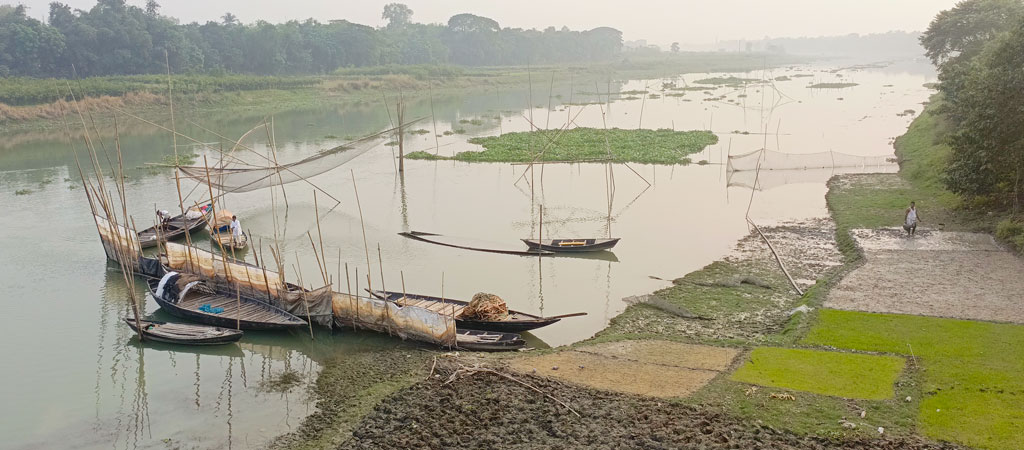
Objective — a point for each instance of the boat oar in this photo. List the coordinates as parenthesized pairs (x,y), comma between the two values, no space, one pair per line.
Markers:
(567,315)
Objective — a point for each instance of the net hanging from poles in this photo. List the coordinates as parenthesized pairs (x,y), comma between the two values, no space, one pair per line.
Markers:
(250,178)
(773,160)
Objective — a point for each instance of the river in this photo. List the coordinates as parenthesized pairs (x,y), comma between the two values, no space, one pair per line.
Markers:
(76,377)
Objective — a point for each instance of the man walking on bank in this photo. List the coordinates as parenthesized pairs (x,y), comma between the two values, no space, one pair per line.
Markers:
(911,219)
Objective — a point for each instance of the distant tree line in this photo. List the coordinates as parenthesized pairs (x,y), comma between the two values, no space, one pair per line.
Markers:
(978,48)
(113,38)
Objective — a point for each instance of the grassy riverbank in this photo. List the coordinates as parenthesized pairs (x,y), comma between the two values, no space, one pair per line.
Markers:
(36,104)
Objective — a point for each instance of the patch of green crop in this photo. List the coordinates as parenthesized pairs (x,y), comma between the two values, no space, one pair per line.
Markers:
(580,144)
(973,381)
(23,192)
(832,86)
(839,374)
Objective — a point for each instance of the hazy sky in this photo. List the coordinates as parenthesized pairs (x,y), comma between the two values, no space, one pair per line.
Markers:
(658,21)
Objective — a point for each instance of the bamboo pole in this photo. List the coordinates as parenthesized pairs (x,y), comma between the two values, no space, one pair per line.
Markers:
(433,118)
(777,259)
(401,132)
(351,296)
(362,224)
(302,291)
(320,234)
(405,298)
(380,261)
(551,89)
(315,254)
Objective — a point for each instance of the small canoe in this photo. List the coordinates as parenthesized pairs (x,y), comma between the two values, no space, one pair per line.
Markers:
(227,240)
(173,228)
(183,333)
(571,245)
(488,341)
(516,322)
(198,302)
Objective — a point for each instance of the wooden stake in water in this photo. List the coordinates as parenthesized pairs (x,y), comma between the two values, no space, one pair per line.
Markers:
(362,224)
(405,298)
(302,289)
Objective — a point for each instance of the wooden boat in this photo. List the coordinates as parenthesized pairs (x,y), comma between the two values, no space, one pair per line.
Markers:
(516,322)
(183,333)
(173,228)
(247,314)
(571,245)
(488,341)
(438,239)
(225,240)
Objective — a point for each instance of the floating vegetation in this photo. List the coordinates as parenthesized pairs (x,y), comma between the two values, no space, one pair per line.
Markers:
(831,85)
(448,132)
(330,136)
(654,96)
(633,92)
(689,88)
(802,75)
(419,131)
(22,192)
(662,146)
(183,159)
(459,131)
(631,97)
(476,122)
(741,96)
(906,112)
(727,81)
(783,78)
(426,156)
(675,94)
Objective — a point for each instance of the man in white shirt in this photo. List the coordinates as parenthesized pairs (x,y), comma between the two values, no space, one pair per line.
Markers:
(236,229)
(911,218)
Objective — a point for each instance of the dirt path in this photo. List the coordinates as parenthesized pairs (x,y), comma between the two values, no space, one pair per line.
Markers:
(942,274)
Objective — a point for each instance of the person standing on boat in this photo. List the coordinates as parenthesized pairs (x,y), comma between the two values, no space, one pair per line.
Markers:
(163,215)
(911,218)
(236,229)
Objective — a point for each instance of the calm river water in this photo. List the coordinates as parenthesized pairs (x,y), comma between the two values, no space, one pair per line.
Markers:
(75,376)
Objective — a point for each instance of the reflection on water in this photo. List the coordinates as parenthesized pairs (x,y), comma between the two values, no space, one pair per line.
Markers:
(77,377)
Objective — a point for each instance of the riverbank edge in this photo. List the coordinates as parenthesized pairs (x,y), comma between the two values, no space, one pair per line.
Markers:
(338,90)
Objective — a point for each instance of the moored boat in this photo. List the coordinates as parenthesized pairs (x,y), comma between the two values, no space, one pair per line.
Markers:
(515,322)
(187,297)
(571,245)
(171,229)
(488,341)
(183,333)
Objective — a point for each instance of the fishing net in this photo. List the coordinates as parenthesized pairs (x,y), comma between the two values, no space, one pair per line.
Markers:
(773,160)
(118,241)
(485,306)
(268,173)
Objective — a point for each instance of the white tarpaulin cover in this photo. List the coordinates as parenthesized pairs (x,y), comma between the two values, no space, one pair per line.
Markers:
(407,322)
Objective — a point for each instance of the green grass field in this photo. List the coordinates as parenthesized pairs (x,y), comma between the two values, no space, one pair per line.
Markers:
(847,375)
(973,371)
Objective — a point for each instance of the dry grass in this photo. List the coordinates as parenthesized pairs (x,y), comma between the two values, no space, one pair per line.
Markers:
(55,109)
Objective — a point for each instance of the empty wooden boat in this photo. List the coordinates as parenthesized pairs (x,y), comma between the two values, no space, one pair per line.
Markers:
(183,333)
(516,322)
(196,301)
(447,241)
(171,229)
(488,341)
(571,245)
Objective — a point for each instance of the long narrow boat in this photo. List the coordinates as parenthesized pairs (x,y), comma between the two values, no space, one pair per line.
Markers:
(196,301)
(183,333)
(571,245)
(173,228)
(516,322)
(438,239)
(488,341)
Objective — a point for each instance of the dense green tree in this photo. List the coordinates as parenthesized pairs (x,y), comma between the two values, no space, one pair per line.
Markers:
(115,38)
